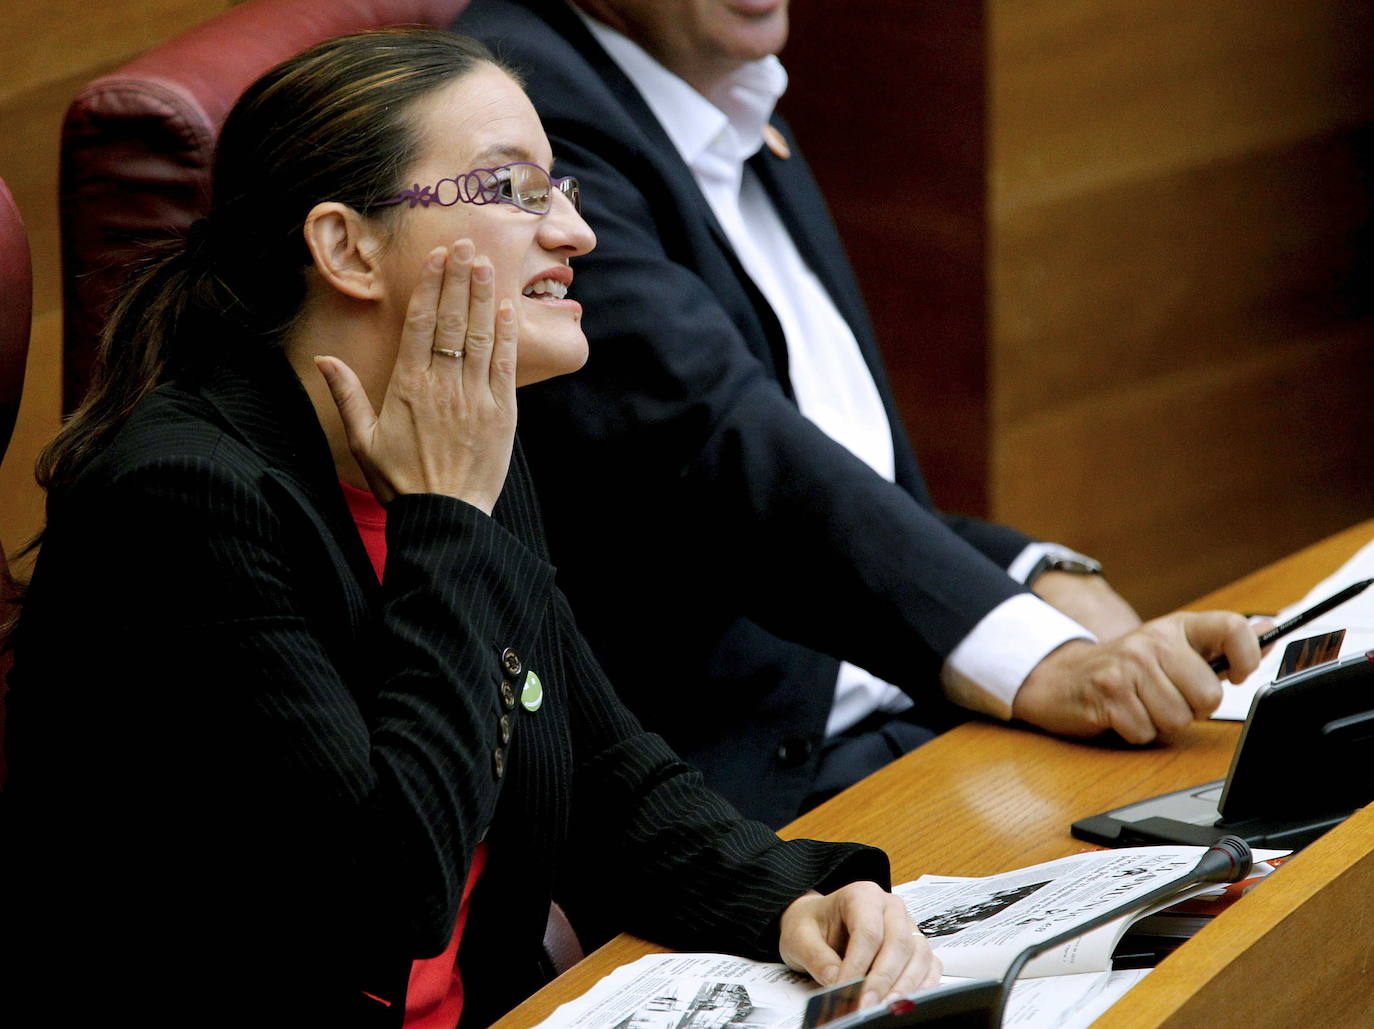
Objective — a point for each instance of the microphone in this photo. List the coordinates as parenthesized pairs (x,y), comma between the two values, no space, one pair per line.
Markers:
(1228,860)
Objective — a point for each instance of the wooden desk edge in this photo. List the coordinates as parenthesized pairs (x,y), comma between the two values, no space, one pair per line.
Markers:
(1307,934)
(1331,879)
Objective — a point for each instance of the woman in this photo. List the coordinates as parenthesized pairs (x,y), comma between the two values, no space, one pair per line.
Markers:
(259,783)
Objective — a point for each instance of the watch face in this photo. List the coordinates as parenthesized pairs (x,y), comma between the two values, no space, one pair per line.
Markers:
(1068,564)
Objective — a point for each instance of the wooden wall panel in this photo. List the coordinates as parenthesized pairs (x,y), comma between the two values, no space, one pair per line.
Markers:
(889,107)
(1199,476)
(1089,92)
(1091,234)
(1179,217)
(49,49)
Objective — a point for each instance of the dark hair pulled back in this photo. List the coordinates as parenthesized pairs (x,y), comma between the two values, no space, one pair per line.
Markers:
(335,122)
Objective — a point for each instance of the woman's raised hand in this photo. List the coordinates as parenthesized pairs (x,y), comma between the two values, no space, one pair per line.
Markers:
(447,422)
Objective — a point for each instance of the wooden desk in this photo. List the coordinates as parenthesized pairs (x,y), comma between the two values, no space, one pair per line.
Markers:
(988,798)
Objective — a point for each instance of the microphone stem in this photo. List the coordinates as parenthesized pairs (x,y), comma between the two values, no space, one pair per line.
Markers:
(1189,878)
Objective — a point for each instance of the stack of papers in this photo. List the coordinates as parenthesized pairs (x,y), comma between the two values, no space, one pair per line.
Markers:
(977,926)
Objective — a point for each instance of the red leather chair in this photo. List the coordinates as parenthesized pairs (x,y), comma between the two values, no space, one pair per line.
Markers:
(16,313)
(137,144)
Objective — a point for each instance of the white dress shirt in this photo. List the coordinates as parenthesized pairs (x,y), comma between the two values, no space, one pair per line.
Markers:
(830,380)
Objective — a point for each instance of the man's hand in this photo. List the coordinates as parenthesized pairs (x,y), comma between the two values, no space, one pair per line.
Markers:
(1089,601)
(1148,684)
(859,930)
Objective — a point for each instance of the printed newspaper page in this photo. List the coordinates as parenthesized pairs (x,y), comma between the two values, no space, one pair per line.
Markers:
(978,926)
(690,991)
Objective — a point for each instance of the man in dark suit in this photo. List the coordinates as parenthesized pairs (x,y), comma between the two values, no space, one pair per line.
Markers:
(732,502)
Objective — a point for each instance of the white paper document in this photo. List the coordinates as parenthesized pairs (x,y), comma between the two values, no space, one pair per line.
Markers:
(1356,616)
(976,927)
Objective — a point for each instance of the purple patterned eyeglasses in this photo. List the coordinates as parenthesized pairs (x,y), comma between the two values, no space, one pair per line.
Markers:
(527,186)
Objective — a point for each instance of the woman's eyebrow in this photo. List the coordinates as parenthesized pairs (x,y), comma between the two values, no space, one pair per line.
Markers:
(510,152)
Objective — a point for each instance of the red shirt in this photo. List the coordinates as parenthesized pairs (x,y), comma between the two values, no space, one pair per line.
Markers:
(434,999)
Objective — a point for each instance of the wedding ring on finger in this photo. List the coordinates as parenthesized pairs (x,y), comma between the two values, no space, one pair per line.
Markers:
(446,352)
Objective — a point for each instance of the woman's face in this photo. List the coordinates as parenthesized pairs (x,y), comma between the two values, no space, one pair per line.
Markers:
(484,120)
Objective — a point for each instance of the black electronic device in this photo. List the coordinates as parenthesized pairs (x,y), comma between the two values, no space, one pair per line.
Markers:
(1304,762)
(970,1005)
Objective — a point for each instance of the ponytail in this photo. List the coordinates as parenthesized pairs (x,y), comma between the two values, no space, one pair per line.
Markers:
(152,332)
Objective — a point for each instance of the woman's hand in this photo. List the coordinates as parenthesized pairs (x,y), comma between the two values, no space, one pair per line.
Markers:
(859,930)
(447,422)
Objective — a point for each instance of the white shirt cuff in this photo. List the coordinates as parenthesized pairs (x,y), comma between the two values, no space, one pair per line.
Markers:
(987,668)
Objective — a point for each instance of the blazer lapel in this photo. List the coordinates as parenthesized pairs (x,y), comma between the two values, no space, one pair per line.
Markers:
(801,206)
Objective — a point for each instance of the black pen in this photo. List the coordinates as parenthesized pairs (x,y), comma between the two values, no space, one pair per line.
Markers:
(1299,620)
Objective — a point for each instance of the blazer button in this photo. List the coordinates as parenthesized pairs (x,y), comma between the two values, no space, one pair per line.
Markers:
(505,729)
(794,751)
(498,762)
(510,661)
(507,696)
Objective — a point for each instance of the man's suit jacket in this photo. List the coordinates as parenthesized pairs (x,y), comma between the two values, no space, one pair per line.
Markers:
(248,779)
(723,553)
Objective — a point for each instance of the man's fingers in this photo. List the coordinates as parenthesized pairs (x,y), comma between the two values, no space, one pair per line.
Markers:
(1131,719)
(1183,688)
(1195,683)
(417,334)
(1214,633)
(1162,681)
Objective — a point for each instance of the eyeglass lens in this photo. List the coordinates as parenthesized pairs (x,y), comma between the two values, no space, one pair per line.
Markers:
(529,187)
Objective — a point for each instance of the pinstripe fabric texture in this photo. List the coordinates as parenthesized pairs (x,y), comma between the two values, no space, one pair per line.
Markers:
(228,734)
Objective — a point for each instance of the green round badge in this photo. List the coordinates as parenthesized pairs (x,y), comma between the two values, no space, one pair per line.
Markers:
(532,696)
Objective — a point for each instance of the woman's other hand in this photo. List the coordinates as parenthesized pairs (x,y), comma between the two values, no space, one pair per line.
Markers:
(447,422)
(859,930)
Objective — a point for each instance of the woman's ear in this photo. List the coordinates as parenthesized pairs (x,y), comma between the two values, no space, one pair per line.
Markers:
(344,248)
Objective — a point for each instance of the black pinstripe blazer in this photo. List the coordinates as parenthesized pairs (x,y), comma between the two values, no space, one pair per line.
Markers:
(277,770)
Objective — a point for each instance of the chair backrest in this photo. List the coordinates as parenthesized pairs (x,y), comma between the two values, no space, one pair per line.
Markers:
(137,144)
(16,314)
